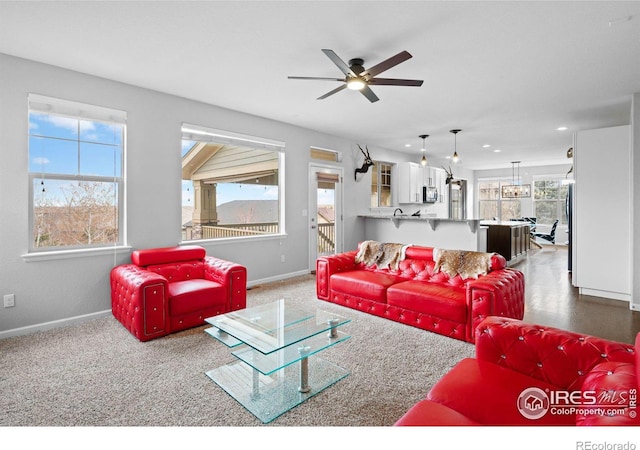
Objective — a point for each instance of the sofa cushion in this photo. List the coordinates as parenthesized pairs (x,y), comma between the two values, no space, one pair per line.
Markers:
(364,283)
(165,255)
(488,394)
(179,271)
(193,295)
(612,387)
(431,413)
(444,301)
(637,352)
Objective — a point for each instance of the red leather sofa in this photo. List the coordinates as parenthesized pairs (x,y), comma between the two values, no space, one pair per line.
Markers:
(525,374)
(165,290)
(415,294)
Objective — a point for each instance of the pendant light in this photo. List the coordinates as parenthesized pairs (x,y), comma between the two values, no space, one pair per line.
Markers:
(455,157)
(423,160)
(516,189)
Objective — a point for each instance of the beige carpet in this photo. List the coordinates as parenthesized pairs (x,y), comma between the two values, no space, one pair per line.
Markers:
(97,374)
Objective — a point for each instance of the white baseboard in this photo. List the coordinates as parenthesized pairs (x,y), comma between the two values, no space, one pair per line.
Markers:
(53,324)
(286,276)
(605,294)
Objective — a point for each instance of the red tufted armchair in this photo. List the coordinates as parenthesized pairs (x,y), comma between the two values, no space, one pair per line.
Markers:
(165,290)
(526,374)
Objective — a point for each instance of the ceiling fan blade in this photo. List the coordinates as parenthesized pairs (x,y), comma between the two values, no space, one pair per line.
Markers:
(395,82)
(386,64)
(338,89)
(367,92)
(344,67)
(316,78)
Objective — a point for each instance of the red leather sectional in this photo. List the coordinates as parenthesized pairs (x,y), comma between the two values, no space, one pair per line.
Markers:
(526,374)
(165,290)
(416,295)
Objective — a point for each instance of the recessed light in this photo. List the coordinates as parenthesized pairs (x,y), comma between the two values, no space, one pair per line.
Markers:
(486,146)
(562,128)
(407,145)
(497,150)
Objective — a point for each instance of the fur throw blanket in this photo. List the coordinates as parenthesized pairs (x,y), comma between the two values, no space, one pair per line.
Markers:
(466,264)
(382,255)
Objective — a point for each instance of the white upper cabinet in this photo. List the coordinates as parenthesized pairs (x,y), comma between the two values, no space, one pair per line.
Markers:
(413,177)
(410,182)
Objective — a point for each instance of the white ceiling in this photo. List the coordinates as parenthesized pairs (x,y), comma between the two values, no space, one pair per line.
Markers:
(507,73)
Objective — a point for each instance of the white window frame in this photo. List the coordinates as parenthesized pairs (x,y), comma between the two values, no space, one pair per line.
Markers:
(499,201)
(80,111)
(377,181)
(560,203)
(206,134)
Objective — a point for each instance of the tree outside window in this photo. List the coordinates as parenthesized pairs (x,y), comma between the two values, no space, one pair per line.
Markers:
(492,206)
(549,200)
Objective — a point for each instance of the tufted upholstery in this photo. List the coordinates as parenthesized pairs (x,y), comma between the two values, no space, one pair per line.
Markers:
(416,295)
(513,356)
(165,290)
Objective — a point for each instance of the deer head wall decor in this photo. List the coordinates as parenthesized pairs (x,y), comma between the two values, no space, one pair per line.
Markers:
(368,162)
(449,175)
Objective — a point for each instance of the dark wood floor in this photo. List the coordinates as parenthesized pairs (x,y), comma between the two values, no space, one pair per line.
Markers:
(551,300)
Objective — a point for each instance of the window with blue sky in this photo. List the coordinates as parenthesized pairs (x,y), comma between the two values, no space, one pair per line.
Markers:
(76,175)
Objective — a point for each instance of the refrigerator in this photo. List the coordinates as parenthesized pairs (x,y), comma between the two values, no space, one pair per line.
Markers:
(569,213)
(458,199)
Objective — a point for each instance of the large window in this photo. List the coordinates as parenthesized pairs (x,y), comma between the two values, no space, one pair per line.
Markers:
(76,154)
(492,206)
(381,185)
(549,196)
(232,185)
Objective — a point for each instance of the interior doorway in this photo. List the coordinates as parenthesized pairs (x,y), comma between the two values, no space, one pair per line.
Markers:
(325,212)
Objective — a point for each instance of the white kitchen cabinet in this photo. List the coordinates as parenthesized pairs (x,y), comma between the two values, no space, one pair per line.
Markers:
(410,181)
(602,222)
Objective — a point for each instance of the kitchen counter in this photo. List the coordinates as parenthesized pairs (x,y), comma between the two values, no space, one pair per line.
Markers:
(433,221)
(458,234)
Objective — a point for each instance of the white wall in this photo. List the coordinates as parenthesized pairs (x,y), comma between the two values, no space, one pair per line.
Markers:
(635,200)
(602,230)
(59,289)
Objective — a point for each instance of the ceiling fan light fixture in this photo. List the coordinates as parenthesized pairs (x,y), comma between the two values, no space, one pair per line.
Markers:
(356,84)
(357,78)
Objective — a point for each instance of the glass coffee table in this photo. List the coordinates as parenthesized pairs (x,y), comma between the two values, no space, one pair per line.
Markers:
(276,347)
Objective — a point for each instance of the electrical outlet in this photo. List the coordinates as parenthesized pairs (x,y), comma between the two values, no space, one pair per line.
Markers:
(282,258)
(9,300)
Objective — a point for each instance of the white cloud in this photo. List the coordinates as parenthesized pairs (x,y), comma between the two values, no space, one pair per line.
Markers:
(63,122)
(40,160)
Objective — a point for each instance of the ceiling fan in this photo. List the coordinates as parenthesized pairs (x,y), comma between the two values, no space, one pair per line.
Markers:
(359,78)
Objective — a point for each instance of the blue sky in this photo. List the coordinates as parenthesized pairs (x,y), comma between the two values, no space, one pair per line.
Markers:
(73,147)
(69,146)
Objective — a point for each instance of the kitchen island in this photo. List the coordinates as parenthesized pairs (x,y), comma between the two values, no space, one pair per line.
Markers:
(454,234)
(509,238)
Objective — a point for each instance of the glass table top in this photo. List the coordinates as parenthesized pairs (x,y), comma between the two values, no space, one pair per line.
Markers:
(272,327)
